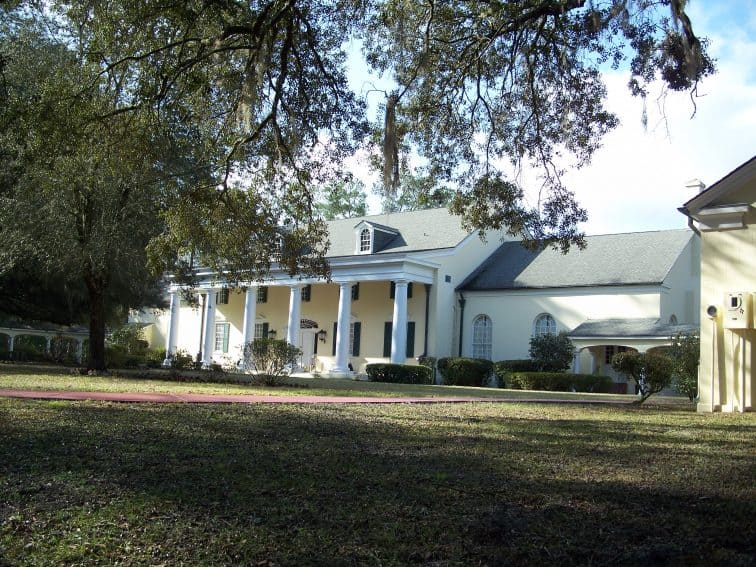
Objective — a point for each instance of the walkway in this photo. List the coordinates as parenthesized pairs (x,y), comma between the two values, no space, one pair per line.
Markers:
(251,399)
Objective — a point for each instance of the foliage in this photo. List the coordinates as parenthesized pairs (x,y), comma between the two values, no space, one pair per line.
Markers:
(685,352)
(259,92)
(182,360)
(460,371)
(415,193)
(273,359)
(520,82)
(342,200)
(130,337)
(551,353)
(558,382)
(399,373)
(652,372)
(81,200)
(515,365)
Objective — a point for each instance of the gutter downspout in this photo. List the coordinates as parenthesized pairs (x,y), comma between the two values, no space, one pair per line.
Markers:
(691,226)
(462,302)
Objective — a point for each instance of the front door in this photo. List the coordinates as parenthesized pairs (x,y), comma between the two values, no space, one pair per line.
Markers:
(307,344)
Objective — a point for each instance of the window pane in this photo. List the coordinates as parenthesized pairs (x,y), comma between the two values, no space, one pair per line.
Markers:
(544,325)
(365,240)
(481,337)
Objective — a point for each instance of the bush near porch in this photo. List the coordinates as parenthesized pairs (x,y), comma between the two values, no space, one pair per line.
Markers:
(557,382)
(460,371)
(399,373)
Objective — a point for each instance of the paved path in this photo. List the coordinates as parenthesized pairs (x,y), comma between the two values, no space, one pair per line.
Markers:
(250,399)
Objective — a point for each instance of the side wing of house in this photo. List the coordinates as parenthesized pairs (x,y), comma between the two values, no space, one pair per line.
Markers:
(620,292)
(725,214)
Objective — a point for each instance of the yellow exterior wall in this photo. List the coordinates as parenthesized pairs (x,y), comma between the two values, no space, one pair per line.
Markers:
(728,263)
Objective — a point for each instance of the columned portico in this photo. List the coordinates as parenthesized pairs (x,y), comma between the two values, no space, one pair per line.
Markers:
(207,348)
(341,364)
(399,324)
(295,311)
(172,338)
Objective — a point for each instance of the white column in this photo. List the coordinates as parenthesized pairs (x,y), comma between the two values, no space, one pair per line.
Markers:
(593,361)
(342,329)
(172,338)
(399,324)
(11,341)
(576,362)
(48,344)
(207,349)
(295,308)
(79,350)
(250,312)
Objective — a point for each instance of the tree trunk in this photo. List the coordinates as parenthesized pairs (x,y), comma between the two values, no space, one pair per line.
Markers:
(96,288)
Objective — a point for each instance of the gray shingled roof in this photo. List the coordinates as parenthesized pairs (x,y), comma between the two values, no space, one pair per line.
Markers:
(418,230)
(611,259)
(609,328)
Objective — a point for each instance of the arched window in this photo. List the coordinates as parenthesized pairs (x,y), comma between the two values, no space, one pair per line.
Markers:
(365,240)
(481,337)
(544,325)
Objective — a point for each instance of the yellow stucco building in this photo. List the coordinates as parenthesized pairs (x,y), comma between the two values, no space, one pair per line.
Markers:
(726,218)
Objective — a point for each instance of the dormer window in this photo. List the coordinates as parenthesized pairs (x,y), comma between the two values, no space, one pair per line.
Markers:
(366,241)
(372,238)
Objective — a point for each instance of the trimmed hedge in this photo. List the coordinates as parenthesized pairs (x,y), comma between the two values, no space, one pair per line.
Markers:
(399,373)
(559,382)
(460,371)
(505,367)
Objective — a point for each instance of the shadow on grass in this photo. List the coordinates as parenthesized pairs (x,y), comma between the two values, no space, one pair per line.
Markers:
(372,485)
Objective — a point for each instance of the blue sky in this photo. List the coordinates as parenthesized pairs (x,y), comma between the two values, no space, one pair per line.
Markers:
(637,179)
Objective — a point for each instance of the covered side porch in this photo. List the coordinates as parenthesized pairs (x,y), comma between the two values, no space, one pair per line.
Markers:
(597,341)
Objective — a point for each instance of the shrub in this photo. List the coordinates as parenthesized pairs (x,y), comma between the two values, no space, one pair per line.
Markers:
(272,358)
(429,362)
(130,338)
(652,372)
(551,353)
(504,368)
(399,373)
(459,371)
(685,353)
(182,360)
(559,382)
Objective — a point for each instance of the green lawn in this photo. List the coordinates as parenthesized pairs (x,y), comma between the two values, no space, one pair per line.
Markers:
(88,483)
(56,378)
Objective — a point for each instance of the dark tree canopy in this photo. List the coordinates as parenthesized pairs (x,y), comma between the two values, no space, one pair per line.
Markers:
(253,110)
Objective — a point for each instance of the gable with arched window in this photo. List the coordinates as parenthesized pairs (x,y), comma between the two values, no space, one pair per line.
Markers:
(544,324)
(482,337)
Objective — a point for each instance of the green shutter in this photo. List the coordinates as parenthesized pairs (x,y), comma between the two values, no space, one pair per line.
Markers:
(335,328)
(356,291)
(262,294)
(410,339)
(226,331)
(356,342)
(387,338)
(409,290)
(265,330)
